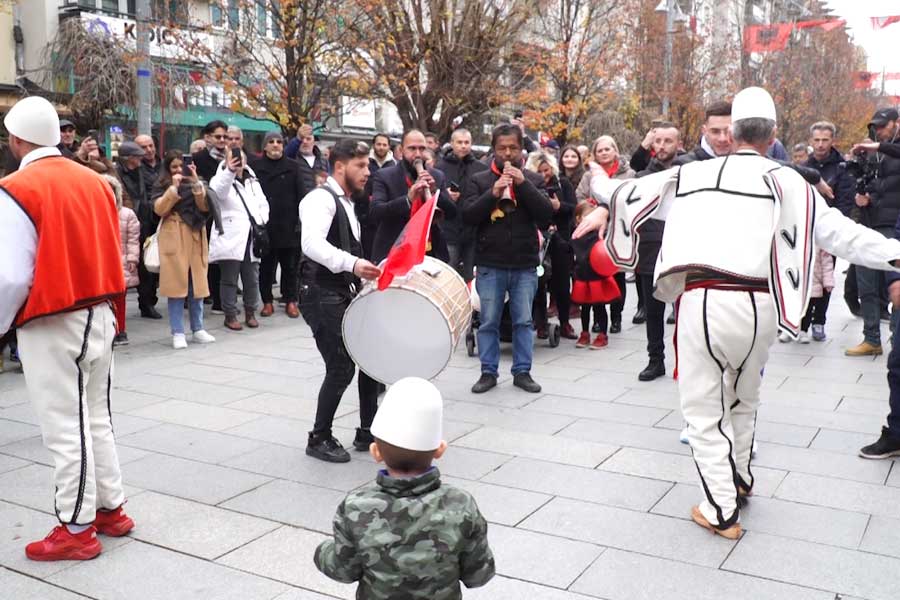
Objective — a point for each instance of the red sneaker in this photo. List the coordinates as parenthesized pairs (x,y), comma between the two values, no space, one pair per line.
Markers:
(600,341)
(114,523)
(63,545)
(583,340)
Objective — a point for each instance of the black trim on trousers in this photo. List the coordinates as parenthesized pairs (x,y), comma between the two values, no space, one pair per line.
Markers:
(82,480)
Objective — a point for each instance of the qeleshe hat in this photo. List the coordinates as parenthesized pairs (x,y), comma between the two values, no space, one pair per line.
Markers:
(34,120)
(411,416)
(753,103)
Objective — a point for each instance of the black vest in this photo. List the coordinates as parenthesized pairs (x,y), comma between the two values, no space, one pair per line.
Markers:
(312,273)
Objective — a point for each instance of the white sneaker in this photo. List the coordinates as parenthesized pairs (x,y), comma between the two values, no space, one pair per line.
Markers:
(178,341)
(683,438)
(753,449)
(784,338)
(202,337)
(804,337)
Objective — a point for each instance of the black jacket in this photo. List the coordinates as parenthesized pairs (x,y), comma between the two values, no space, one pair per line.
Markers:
(361,205)
(389,210)
(510,242)
(283,186)
(206,165)
(652,231)
(564,218)
(886,193)
(458,171)
(835,175)
(309,172)
(139,191)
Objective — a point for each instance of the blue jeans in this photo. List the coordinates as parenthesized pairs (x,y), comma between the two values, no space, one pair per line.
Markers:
(871,283)
(176,311)
(492,285)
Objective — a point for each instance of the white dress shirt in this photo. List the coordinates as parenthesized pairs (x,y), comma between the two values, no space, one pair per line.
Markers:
(316,214)
(18,245)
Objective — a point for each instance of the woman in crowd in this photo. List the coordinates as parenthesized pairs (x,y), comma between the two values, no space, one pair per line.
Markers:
(562,197)
(570,166)
(240,199)
(180,199)
(130,232)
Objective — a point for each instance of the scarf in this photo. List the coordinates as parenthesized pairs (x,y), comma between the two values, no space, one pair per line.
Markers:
(216,153)
(612,170)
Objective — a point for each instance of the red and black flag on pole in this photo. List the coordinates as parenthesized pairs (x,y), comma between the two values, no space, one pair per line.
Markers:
(767,38)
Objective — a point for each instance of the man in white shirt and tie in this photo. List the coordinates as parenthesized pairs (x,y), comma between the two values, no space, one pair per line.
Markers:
(330,274)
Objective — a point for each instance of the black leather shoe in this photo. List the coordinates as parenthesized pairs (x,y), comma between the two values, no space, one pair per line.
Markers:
(886,446)
(363,439)
(640,316)
(524,381)
(148,312)
(484,383)
(326,448)
(615,326)
(652,371)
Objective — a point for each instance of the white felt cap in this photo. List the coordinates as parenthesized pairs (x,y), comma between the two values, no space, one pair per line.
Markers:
(34,120)
(753,103)
(411,415)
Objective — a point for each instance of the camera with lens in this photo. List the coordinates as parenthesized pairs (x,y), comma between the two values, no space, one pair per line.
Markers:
(864,171)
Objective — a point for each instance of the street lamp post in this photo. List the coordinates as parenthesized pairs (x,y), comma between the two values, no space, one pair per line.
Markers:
(144,67)
(669,7)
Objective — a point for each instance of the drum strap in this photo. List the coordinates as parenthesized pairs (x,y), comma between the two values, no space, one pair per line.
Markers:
(343,224)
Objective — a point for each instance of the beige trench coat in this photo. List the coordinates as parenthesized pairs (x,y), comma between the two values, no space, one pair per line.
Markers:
(181,249)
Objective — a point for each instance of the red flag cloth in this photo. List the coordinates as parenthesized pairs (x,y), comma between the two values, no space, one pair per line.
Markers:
(409,248)
(767,38)
(825,24)
(862,80)
(882,22)
(891,76)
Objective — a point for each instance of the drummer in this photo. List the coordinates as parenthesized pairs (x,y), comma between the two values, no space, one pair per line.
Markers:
(330,273)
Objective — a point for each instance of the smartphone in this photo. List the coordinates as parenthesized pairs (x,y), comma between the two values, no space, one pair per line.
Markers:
(236,153)
(453,187)
(93,133)
(186,161)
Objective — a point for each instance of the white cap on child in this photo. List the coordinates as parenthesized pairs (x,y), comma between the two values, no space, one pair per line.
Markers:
(411,415)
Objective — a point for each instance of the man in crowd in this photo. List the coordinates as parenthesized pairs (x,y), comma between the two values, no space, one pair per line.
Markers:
(150,163)
(507,206)
(303,148)
(458,165)
(432,142)
(395,192)
(68,145)
(131,173)
(60,270)
(799,154)
(381,157)
(880,210)
(283,186)
(666,141)
(215,135)
(716,139)
(330,274)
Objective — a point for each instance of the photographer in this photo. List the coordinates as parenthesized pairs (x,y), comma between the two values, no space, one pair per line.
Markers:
(881,202)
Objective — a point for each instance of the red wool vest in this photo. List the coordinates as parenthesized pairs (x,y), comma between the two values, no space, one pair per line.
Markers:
(78,260)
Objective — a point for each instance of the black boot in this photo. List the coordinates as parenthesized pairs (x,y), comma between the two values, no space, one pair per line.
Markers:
(326,447)
(615,326)
(363,439)
(656,368)
(640,316)
(148,312)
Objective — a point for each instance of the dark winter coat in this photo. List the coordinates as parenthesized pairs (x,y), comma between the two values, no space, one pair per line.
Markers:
(564,218)
(361,207)
(207,166)
(835,175)
(458,171)
(284,187)
(138,192)
(652,231)
(309,172)
(886,195)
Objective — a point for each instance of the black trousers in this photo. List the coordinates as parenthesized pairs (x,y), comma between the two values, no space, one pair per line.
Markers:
(656,320)
(615,308)
(323,311)
(147,283)
(815,312)
(561,262)
(287,258)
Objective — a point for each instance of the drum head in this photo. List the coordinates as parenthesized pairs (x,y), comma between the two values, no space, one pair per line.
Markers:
(397,333)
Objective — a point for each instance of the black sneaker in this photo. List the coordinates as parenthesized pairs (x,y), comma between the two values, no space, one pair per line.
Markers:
(362,440)
(121,339)
(524,381)
(596,328)
(616,325)
(886,446)
(484,383)
(652,371)
(327,449)
(148,312)
(640,316)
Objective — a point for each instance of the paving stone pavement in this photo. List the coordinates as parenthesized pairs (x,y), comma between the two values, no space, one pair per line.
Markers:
(586,487)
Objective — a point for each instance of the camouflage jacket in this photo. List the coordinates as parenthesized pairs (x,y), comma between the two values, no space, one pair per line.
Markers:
(408,539)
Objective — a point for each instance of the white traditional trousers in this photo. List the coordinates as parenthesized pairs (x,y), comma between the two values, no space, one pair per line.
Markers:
(723,344)
(68,362)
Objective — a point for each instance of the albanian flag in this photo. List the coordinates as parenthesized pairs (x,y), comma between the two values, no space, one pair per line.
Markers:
(767,38)
(882,22)
(409,248)
(862,80)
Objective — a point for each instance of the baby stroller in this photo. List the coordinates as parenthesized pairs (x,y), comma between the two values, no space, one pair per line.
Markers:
(553,331)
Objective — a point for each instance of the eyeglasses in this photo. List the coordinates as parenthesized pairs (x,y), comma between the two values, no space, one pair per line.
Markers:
(218,136)
(234,139)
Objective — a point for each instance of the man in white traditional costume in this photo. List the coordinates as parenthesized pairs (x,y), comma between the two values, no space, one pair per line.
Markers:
(741,235)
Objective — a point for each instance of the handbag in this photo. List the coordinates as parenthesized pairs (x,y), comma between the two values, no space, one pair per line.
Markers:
(259,232)
(151,250)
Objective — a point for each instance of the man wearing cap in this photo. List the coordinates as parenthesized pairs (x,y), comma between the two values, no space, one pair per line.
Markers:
(60,270)
(881,207)
(131,173)
(67,146)
(737,253)
(283,186)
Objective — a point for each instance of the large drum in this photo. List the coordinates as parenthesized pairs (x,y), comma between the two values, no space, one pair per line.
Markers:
(411,328)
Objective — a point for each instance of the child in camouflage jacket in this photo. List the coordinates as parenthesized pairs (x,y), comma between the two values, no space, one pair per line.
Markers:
(408,537)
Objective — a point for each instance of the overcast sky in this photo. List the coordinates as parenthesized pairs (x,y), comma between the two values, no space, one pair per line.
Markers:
(882,46)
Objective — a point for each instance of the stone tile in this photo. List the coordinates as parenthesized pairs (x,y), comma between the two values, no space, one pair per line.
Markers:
(191,414)
(30,486)
(123,401)
(13,431)
(467,463)
(842,442)
(865,406)
(629,530)
(284,365)
(619,575)
(285,406)
(140,571)
(32,449)
(673,421)
(795,399)
(10,463)
(289,502)
(804,384)
(192,528)
(538,557)
(825,567)
(882,537)
(821,418)
(542,447)
(21,587)
(185,389)
(199,372)
(862,364)
(506,588)
(894,477)
(300,594)
(189,479)
(847,374)
(562,371)
(589,390)
(20,413)
(642,397)
(285,385)
(579,483)
(508,418)
(188,442)
(634,436)
(294,465)
(597,410)
(816,462)
(286,555)
(778,517)
(841,494)
(127,424)
(499,504)
(789,435)
(504,395)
